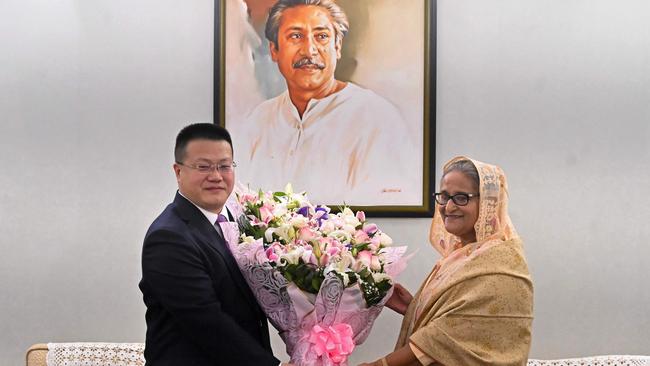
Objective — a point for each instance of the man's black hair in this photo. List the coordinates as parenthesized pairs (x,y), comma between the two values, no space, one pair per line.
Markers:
(199,131)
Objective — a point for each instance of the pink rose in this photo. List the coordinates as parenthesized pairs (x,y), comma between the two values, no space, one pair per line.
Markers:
(306,234)
(266,213)
(333,250)
(360,236)
(368,260)
(246,198)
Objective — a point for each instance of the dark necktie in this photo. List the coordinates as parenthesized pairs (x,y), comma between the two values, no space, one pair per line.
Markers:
(221,218)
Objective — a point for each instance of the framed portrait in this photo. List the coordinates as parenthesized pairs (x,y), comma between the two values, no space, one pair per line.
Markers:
(337,98)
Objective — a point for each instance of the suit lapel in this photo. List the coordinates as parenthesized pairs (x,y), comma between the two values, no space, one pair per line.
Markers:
(208,234)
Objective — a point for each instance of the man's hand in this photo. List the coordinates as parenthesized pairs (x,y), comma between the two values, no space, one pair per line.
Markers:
(400,299)
(286,364)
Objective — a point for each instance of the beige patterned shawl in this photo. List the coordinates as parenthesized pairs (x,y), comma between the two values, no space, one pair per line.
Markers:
(475,308)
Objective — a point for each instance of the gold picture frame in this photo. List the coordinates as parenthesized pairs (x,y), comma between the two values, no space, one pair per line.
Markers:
(394,55)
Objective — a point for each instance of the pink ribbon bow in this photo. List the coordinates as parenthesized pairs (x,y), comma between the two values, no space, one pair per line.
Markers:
(333,342)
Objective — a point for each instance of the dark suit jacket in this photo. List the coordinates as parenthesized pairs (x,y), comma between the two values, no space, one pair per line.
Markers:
(199,309)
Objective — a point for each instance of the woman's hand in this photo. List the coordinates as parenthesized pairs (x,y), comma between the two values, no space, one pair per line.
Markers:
(400,299)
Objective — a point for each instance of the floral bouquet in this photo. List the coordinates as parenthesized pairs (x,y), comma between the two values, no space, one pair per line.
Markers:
(321,278)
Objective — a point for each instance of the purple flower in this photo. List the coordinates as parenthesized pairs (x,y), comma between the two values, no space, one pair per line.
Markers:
(370,229)
(321,219)
(304,211)
(324,209)
(321,214)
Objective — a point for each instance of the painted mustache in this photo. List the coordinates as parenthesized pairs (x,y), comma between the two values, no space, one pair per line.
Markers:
(306,61)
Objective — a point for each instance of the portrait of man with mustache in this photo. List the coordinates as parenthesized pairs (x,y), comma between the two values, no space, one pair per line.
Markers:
(330,137)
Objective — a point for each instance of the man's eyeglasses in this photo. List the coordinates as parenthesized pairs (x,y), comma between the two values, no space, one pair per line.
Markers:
(206,168)
(459,199)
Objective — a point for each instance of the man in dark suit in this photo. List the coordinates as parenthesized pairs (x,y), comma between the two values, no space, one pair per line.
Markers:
(199,309)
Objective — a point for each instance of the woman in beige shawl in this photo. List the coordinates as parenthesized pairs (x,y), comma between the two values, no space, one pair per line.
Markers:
(476,306)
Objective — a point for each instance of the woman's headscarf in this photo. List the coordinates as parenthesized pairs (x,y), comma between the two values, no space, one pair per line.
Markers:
(493,221)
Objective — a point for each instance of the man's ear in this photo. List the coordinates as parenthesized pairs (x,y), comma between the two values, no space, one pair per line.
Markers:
(274,51)
(337,46)
(177,171)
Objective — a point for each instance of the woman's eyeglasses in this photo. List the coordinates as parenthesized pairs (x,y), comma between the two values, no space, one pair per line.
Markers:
(459,199)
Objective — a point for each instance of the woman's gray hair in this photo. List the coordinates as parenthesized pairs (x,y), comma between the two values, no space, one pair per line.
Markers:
(341,25)
(467,168)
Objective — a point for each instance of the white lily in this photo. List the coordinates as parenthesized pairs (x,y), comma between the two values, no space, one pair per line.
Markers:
(327,227)
(341,235)
(293,255)
(349,228)
(343,264)
(286,232)
(268,234)
(288,189)
(279,210)
(351,220)
(385,240)
(299,221)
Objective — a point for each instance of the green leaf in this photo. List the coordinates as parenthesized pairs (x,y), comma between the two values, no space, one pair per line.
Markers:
(288,276)
(361,247)
(315,284)
(256,211)
(384,286)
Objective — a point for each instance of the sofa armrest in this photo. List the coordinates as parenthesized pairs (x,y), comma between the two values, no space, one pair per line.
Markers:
(36,355)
